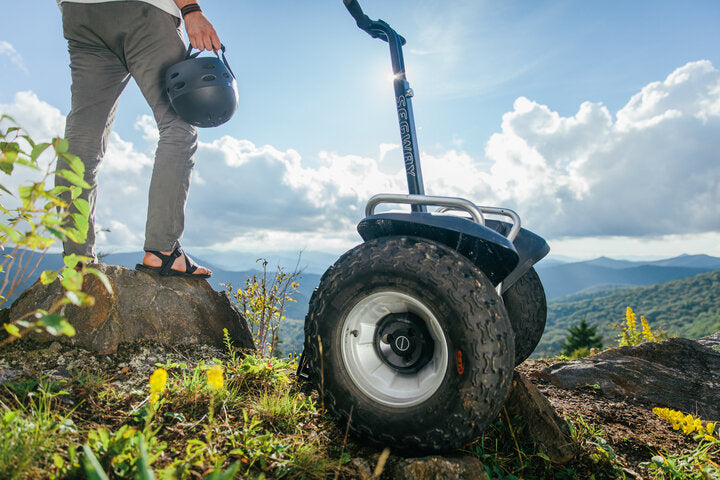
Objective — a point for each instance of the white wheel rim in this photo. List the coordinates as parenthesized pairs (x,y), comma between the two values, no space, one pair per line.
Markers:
(375,378)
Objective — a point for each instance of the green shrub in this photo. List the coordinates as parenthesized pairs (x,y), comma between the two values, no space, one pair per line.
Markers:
(263,302)
(580,340)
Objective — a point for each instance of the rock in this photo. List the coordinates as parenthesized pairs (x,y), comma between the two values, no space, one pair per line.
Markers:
(7,375)
(360,468)
(172,310)
(439,468)
(676,373)
(712,341)
(544,425)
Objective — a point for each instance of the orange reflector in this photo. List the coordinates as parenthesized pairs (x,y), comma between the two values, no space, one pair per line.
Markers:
(459,362)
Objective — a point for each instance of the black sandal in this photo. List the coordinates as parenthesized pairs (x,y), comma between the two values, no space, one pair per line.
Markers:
(165,269)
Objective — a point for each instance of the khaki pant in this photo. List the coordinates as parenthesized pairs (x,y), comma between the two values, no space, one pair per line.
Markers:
(109,43)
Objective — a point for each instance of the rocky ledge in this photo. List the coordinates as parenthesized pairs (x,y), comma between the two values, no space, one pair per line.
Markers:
(676,373)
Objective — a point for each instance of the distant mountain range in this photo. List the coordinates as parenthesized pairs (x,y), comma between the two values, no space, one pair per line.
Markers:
(602,285)
(568,278)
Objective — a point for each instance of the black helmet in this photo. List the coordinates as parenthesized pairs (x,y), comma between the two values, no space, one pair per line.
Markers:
(203,90)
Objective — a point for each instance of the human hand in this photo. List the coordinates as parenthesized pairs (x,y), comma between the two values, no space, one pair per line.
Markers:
(201,33)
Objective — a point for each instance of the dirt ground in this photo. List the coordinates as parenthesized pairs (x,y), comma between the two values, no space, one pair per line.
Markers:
(634,432)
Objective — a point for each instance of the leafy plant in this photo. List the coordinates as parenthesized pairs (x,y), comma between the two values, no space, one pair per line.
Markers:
(592,438)
(263,302)
(694,465)
(124,453)
(35,216)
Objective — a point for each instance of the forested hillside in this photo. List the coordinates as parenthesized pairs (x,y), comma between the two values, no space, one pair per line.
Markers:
(688,307)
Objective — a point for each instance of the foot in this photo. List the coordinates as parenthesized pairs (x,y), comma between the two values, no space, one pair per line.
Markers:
(178,265)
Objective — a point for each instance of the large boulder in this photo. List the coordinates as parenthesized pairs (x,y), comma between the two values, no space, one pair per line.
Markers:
(172,310)
(676,373)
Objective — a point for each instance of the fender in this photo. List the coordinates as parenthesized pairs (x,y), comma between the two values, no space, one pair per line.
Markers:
(490,251)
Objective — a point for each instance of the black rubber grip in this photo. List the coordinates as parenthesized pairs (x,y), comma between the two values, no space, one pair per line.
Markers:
(354,8)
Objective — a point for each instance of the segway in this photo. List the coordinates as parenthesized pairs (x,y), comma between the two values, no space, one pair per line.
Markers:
(413,335)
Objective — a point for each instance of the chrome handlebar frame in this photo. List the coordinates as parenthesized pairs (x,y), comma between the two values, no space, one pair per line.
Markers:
(477,213)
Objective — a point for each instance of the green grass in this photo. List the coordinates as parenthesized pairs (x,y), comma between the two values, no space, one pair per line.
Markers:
(260,423)
(32,426)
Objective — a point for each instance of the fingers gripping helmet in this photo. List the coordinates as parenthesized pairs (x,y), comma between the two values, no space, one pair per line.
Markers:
(202,90)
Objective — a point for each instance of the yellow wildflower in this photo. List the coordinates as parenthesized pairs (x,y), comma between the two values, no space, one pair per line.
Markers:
(215,377)
(688,423)
(698,426)
(647,333)
(631,320)
(158,380)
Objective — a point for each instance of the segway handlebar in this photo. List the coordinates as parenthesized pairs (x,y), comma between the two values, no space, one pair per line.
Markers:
(374,28)
(451,202)
(356,11)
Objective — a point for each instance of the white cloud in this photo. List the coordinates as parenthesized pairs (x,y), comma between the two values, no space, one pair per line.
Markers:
(249,189)
(147,125)
(118,235)
(122,156)
(263,240)
(652,171)
(662,246)
(40,119)
(6,49)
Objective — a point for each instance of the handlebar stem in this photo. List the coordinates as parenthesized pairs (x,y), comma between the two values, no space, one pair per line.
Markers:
(403,94)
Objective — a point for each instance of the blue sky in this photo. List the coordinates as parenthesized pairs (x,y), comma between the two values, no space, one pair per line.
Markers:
(597,121)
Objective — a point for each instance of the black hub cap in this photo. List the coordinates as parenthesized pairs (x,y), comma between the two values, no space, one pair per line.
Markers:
(403,342)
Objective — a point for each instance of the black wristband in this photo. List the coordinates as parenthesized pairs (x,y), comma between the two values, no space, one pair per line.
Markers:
(189,8)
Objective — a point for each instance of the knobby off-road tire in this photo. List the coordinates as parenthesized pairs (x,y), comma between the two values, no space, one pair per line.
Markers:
(447,394)
(527,308)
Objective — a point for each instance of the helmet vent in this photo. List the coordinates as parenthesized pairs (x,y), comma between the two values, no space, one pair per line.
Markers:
(174,75)
(179,85)
(208,78)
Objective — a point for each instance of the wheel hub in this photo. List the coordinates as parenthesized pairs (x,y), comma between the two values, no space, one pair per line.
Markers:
(402,341)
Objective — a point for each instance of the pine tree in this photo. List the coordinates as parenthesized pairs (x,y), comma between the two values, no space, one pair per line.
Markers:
(580,336)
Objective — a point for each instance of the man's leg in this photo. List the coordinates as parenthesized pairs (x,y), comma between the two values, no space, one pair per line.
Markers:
(98,79)
(150,49)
